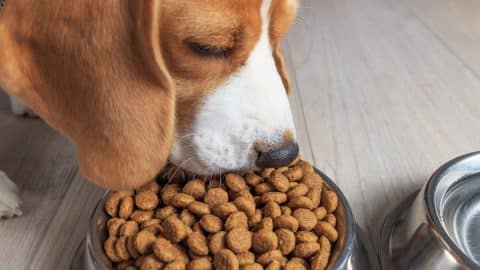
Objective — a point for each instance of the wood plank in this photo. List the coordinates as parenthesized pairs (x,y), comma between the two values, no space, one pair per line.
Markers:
(377,89)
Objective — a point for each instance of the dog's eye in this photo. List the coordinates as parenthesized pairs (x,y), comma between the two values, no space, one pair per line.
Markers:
(210,51)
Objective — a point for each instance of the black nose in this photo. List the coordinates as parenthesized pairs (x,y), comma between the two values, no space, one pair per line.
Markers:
(278,157)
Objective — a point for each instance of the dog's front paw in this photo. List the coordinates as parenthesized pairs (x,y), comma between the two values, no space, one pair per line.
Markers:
(9,200)
(19,109)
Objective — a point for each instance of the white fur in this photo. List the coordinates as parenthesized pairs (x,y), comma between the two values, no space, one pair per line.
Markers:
(250,107)
(9,200)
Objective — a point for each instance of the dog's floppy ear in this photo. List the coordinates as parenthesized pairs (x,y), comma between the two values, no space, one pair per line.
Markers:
(282,69)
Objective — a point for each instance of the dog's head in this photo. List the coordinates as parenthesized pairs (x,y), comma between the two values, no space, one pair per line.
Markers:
(201,83)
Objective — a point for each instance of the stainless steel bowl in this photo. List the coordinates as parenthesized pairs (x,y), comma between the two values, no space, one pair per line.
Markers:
(438,227)
(351,252)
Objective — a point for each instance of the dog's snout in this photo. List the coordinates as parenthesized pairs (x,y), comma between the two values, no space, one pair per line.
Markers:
(278,157)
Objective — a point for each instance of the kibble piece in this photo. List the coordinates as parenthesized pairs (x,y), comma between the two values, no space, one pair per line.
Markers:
(124,265)
(146,200)
(165,212)
(174,229)
(299,190)
(151,263)
(188,218)
(245,193)
(126,207)
(246,258)
(296,264)
(152,186)
(253,179)
(294,174)
(211,223)
(217,242)
(320,260)
(150,222)
(266,224)
(287,211)
(264,240)
(269,256)
(279,182)
(293,184)
(306,219)
(114,225)
(236,220)
(320,212)
(199,208)
(301,202)
(225,259)
(215,196)
(143,241)
(275,265)
(139,261)
(306,236)
(181,200)
(223,210)
(255,219)
(252,266)
(195,188)
(239,240)
(312,179)
(112,202)
(129,228)
(109,247)
(197,243)
(200,264)
(264,188)
(267,172)
(315,194)
(286,240)
(132,250)
(286,222)
(246,205)
(330,218)
(121,248)
(277,197)
(176,265)
(140,216)
(329,200)
(305,250)
(235,182)
(305,166)
(272,209)
(168,192)
(326,229)
(164,250)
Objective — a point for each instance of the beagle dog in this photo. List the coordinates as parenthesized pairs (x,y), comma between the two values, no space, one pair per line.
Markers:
(135,84)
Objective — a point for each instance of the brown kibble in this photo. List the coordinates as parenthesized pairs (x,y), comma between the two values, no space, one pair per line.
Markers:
(236,220)
(146,200)
(168,192)
(320,260)
(294,174)
(165,212)
(245,193)
(320,212)
(151,263)
(195,188)
(225,259)
(329,200)
(306,219)
(326,229)
(266,224)
(281,169)
(130,267)
(255,219)
(151,186)
(272,209)
(277,197)
(139,261)
(211,223)
(305,166)
(287,211)
(306,236)
(275,265)
(286,222)
(286,240)
(187,218)
(223,210)
(239,240)
(215,196)
(124,265)
(129,228)
(109,247)
(330,218)
(114,225)
(299,190)
(267,172)
(235,182)
(132,250)
(305,250)
(279,182)
(126,207)
(264,240)
(164,250)
(312,179)
(174,229)
(293,184)
(296,264)
(197,243)
(181,200)
(301,202)
(246,258)
(200,264)
(121,248)
(143,241)
(253,179)
(315,194)
(252,266)
(270,256)
(263,188)
(217,242)
(112,202)
(199,208)
(246,205)
(140,216)
(150,222)
(176,265)
(197,228)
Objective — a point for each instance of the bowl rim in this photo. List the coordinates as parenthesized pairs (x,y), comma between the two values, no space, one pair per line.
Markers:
(431,200)
(97,253)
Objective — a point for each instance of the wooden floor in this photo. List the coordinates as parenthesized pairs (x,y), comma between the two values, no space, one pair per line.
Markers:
(385,92)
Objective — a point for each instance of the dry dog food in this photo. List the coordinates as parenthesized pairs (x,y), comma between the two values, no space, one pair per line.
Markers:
(275,219)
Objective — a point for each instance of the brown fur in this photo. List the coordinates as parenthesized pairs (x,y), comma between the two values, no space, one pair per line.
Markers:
(118,78)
